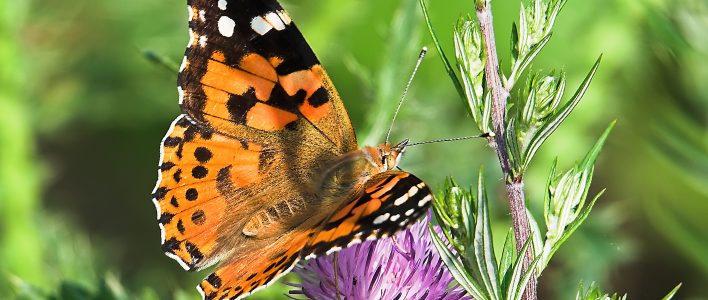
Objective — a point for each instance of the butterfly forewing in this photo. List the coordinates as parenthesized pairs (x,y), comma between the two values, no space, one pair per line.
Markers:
(247,65)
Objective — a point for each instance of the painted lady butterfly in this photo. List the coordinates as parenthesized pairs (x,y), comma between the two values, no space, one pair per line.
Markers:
(262,168)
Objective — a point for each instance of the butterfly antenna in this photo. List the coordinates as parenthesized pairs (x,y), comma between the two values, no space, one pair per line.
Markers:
(483,135)
(405,91)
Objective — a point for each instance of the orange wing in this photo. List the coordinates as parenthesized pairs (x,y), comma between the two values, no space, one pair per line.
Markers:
(199,169)
(247,273)
(248,66)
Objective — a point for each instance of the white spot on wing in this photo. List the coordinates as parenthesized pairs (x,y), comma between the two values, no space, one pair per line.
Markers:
(179,260)
(412,191)
(180,94)
(190,13)
(222,4)
(260,26)
(162,233)
(403,223)
(285,17)
(382,218)
(310,256)
(400,200)
(354,242)
(275,21)
(410,212)
(159,173)
(191,38)
(226,26)
(395,217)
(202,15)
(202,41)
(334,249)
(184,64)
(157,207)
(425,200)
(201,292)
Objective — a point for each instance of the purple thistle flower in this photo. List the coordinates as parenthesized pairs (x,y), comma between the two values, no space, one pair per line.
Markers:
(407,267)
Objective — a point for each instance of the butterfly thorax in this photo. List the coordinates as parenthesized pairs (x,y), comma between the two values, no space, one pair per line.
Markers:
(342,179)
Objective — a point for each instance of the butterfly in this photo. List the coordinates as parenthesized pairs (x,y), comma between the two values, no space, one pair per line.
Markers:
(262,168)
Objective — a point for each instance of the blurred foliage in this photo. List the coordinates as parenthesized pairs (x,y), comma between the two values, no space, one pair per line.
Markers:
(82,111)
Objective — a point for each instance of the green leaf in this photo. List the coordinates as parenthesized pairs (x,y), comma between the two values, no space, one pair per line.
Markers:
(467,219)
(469,52)
(483,244)
(531,271)
(537,245)
(446,62)
(552,124)
(455,267)
(573,226)
(514,42)
(525,62)
(673,292)
(547,197)
(590,158)
(516,274)
(512,145)
(506,261)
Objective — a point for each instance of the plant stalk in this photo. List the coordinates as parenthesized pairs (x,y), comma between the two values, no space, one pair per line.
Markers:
(514,182)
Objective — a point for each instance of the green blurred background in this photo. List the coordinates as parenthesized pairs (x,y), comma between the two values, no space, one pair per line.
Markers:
(83,109)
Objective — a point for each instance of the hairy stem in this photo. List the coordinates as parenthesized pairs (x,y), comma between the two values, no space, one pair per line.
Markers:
(514,183)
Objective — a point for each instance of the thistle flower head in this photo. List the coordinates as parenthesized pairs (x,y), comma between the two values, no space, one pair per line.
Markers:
(403,267)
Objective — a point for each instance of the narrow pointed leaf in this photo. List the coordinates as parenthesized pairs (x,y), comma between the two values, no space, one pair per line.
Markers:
(535,234)
(547,194)
(516,274)
(514,42)
(531,271)
(483,244)
(455,267)
(549,127)
(513,146)
(573,226)
(446,62)
(590,158)
(673,292)
(506,261)
(526,61)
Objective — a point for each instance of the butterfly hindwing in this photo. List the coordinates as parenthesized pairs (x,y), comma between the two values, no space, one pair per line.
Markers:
(391,201)
(248,272)
(247,65)
(200,173)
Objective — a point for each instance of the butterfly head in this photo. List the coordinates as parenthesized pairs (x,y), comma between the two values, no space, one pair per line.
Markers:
(386,157)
